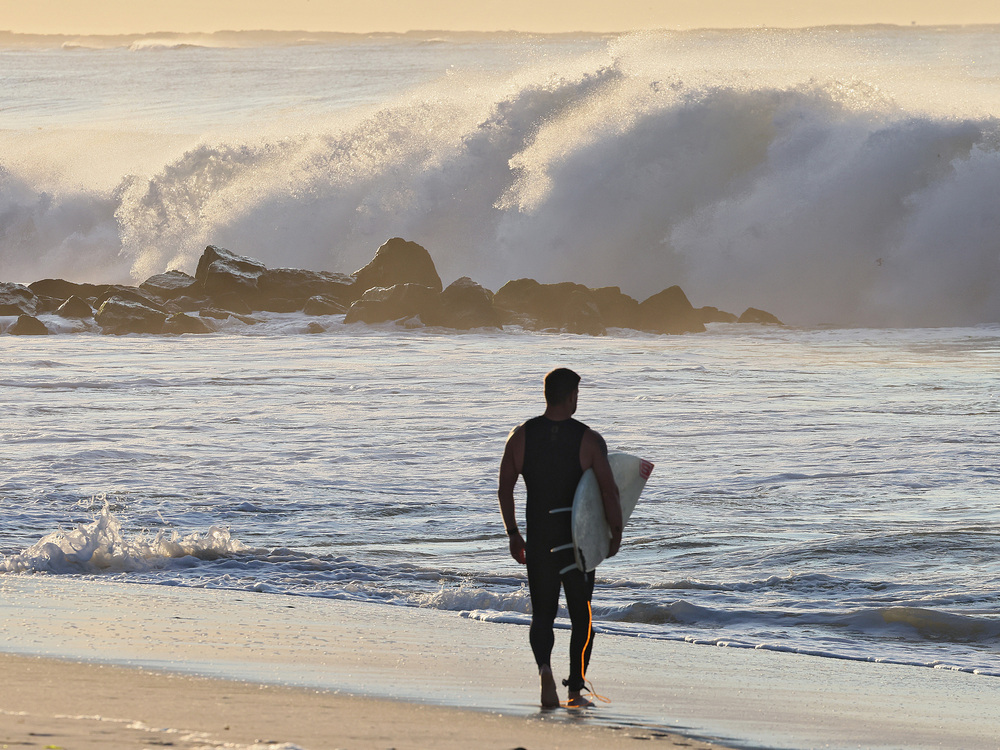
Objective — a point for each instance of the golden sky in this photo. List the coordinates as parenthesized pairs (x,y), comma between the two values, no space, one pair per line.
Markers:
(136,16)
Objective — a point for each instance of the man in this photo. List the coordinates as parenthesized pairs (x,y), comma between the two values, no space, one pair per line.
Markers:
(552,452)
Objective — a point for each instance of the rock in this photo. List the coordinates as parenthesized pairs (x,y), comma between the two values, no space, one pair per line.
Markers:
(28,325)
(75,307)
(382,304)
(753,315)
(181,323)
(16,299)
(169,285)
(398,262)
(322,305)
(279,305)
(121,315)
(315,327)
(130,293)
(566,306)
(61,289)
(581,315)
(187,304)
(465,305)
(617,310)
(232,302)
(715,315)
(221,272)
(300,285)
(669,311)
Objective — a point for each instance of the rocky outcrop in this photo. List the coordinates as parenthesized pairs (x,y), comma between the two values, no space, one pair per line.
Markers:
(120,315)
(222,272)
(28,325)
(130,293)
(180,323)
(322,305)
(465,305)
(400,285)
(715,315)
(398,262)
(617,310)
(399,302)
(61,289)
(75,308)
(759,317)
(169,285)
(669,311)
(300,286)
(16,299)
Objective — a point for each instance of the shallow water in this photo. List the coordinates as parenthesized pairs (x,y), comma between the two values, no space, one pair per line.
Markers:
(829,492)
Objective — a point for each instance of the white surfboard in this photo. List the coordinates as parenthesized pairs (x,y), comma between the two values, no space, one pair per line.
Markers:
(591,535)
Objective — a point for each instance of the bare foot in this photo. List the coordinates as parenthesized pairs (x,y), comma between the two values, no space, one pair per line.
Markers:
(550,696)
(578,701)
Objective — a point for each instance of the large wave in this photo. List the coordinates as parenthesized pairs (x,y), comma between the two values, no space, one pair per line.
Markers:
(821,198)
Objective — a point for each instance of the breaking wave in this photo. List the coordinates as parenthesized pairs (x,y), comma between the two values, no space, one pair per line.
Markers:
(815,193)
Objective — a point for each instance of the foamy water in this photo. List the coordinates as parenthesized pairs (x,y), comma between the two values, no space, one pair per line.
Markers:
(827,492)
(844,176)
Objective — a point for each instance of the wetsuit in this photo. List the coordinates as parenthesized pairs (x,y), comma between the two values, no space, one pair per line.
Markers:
(551,471)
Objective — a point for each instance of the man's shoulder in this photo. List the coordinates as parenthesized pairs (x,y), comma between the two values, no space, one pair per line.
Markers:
(594,438)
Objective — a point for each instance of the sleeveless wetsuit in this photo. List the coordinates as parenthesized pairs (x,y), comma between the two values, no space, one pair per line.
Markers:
(551,471)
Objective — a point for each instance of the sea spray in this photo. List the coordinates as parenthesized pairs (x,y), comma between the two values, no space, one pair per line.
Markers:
(811,173)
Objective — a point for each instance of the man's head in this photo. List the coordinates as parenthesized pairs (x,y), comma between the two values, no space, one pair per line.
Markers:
(560,384)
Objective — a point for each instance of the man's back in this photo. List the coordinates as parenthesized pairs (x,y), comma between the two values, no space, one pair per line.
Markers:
(551,472)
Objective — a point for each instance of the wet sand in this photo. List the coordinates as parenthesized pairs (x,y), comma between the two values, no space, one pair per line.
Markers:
(147,664)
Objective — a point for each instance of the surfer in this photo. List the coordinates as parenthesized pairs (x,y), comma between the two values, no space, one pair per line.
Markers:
(552,452)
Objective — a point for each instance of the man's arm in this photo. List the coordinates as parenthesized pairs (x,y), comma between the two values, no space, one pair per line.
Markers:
(594,455)
(510,470)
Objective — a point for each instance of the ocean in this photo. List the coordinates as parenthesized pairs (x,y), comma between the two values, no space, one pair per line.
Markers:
(827,487)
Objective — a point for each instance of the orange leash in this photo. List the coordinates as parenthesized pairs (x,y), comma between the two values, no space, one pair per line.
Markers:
(588,685)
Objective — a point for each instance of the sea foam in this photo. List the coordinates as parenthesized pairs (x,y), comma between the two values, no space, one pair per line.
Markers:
(798,172)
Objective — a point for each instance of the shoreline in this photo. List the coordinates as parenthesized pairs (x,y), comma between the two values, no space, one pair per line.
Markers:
(68,704)
(429,664)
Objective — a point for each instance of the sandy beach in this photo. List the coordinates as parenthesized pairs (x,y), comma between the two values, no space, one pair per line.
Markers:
(95,663)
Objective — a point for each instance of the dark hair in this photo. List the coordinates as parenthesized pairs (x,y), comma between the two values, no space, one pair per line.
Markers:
(559,385)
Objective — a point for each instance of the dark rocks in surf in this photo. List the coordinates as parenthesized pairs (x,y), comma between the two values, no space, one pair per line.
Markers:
(759,317)
(28,325)
(617,309)
(569,307)
(715,315)
(122,315)
(222,272)
(75,308)
(17,299)
(301,286)
(465,305)
(400,285)
(398,262)
(323,305)
(62,290)
(130,293)
(169,285)
(395,303)
(181,323)
(670,312)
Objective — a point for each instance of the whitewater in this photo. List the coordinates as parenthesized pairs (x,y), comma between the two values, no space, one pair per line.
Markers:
(827,488)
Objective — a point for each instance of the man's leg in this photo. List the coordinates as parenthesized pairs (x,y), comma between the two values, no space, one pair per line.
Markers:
(579,588)
(543,585)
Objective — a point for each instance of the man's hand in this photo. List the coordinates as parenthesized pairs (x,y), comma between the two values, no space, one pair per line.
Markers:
(517,547)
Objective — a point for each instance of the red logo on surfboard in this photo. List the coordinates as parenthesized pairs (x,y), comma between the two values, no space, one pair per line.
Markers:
(645,469)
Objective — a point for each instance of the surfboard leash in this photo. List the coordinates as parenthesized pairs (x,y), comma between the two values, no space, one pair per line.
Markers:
(587,684)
